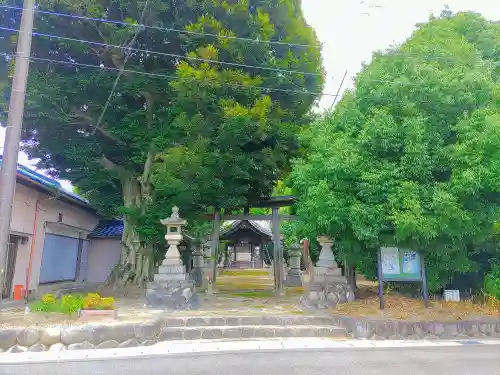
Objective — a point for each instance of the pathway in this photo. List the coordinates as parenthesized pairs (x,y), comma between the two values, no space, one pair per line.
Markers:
(289,359)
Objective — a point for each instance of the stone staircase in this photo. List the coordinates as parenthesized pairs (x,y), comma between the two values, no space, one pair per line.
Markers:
(249,327)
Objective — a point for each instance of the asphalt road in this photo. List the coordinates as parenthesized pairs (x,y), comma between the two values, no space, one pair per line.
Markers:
(461,360)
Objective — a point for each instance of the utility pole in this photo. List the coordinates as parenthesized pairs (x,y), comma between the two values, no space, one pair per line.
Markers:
(13,133)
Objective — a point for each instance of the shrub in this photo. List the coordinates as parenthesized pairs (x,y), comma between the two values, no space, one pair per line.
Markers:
(92,301)
(48,299)
(72,303)
(107,303)
(492,282)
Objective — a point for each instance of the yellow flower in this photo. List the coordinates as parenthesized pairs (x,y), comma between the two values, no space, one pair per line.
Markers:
(49,298)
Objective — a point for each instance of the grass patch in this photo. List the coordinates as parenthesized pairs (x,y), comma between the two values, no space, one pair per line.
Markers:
(245,273)
(254,294)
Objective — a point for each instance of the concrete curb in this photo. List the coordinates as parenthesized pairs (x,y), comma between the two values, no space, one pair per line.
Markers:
(174,348)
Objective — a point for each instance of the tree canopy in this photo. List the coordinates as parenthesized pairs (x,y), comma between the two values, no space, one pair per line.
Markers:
(410,156)
(205,113)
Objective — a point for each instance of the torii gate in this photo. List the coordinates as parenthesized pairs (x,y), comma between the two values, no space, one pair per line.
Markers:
(274,203)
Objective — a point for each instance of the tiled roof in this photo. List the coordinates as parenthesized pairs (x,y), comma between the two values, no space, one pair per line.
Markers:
(259,226)
(108,229)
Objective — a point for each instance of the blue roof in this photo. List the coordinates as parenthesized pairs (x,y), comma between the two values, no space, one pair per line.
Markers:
(48,183)
(107,229)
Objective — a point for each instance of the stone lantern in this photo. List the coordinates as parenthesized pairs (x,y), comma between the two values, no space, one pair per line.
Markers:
(171,287)
(328,287)
(197,273)
(172,264)
(294,277)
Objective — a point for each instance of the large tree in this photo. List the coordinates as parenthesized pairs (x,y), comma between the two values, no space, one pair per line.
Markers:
(411,155)
(210,122)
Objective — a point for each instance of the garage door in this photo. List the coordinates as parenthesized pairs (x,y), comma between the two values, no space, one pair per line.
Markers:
(59,259)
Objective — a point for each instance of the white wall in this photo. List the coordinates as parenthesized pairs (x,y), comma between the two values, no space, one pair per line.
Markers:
(23,217)
(104,254)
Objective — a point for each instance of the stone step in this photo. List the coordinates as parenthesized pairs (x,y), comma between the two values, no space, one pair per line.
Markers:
(261,320)
(248,332)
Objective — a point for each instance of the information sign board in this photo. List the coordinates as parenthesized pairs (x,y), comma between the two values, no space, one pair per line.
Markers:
(403,265)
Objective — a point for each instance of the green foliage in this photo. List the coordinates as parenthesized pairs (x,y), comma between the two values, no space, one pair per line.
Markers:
(492,282)
(410,157)
(203,135)
(72,303)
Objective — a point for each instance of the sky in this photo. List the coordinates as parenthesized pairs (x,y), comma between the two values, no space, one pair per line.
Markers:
(351,30)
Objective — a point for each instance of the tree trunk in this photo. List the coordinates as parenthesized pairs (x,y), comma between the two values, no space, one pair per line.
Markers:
(136,260)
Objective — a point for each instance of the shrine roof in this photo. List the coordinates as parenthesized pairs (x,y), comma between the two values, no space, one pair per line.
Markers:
(260,227)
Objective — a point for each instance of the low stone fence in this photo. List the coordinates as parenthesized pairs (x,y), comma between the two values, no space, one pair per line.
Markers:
(85,336)
(127,334)
(380,329)
(102,335)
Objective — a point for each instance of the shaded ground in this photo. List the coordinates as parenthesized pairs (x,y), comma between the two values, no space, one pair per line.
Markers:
(404,308)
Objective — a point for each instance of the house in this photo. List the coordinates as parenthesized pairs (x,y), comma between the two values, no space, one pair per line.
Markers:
(56,237)
(246,242)
(105,249)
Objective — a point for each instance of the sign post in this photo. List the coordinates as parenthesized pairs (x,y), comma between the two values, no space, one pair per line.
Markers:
(400,265)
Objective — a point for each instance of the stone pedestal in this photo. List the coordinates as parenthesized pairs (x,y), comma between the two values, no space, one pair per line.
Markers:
(328,287)
(172,288)
(198,272)
(294,275)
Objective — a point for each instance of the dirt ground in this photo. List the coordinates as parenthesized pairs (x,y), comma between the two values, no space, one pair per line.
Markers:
(404,308)
(237,293)
(250,292)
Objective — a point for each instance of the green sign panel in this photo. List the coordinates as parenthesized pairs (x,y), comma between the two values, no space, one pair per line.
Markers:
(400,264)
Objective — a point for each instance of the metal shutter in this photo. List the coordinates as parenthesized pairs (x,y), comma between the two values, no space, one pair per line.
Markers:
(59,259)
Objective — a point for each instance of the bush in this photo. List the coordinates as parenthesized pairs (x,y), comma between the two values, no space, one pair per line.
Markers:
(72,303)
(492,282)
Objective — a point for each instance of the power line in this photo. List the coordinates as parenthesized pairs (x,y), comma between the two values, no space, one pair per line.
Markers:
(108,101)
(169,29)
(402,54)
(376,54)
(51,36)
(340,88)
(165,76)
(170,77)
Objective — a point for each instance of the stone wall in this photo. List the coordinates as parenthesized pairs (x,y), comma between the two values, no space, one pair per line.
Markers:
(89,336)
(129,334)
(379,329)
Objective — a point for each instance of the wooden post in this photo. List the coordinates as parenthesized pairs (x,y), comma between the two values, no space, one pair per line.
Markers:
(380,280)
(425,292)
(215,245)
(277,253)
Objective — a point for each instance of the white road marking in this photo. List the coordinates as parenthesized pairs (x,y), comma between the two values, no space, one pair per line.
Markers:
(206,346)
